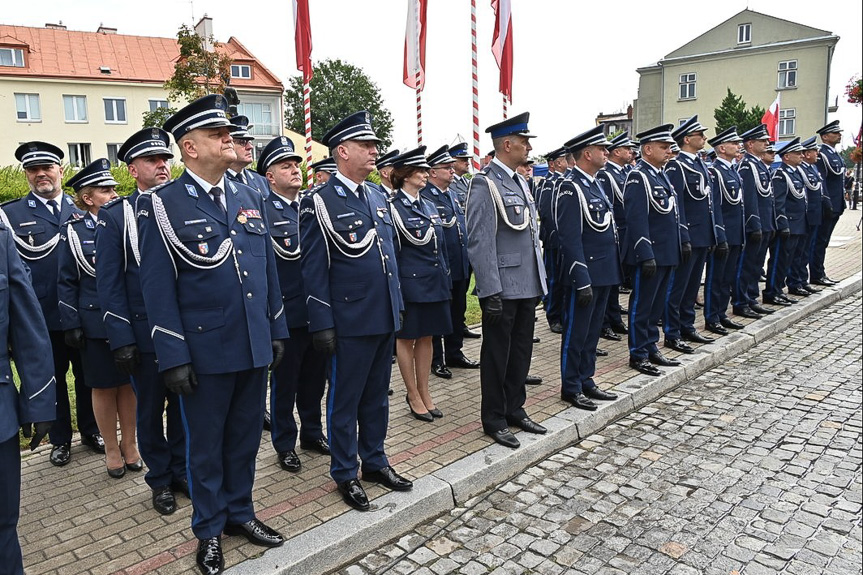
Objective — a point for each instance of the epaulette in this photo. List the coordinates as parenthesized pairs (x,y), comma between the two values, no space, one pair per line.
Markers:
(157,188)
(74,219)
(114,202)
(12,201)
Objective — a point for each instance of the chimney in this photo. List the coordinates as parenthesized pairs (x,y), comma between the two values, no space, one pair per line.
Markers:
(106,30)
(58,26)
(629,112)
(204,29)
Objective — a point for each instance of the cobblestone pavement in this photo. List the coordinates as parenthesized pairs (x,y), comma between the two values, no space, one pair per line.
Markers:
(753,467)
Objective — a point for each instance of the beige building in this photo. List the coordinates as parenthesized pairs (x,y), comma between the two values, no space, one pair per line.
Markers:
(86,92)
(756,56)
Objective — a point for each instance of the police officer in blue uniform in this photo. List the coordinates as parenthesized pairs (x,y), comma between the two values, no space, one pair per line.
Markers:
(591,264)
(300,379)
(244,143)
(324,169)
(548,235)
(722,265)
(652,246)
(437,192)
(461,168)
(23,332)
(817,202)
(210,285)
(832,169)
(351,281)
(118,283)
(759,220)
(789,191)
(701,227)
(35,222)
(384,165)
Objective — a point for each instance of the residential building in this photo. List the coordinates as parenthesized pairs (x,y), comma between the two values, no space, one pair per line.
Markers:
(754,55)
(615,123)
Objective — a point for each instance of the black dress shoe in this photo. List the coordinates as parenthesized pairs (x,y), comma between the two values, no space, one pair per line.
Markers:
(596,393)
(117,473)
(716,328)
(644,366)
(679,345)
(163,500)
(695,337)
(532,380)
(608,333)
(786,299)
(468,334)
(442,371)
(424,416)
(757,308)
(556,327)
(799,291)
(619,328)
(137,466)
(289,461)
(810,289)
(601,353)
(61,454)
(505,437)
(321,445)
(181,486)
(580,401)
(268,420)
(656,358)
(746,312)
(256,533)
(729,323)
(462,362)
(209,558)
(436,413)
(354,495)
(94,441)
(776,300)
(825,281)
(536,339)
(388,477)
(528,425)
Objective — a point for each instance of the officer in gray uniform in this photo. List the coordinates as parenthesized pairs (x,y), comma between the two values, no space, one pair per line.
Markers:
(503,246)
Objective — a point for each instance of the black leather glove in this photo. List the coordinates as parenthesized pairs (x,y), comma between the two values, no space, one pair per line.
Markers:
(278,352)
(784,234)
(826,212)
(755,237)
(648,268)
(181,379)
(325,340)
(721,251)
(127,359)
(685,251)
(492,307)
(37,431)
(74,338)
(584,296)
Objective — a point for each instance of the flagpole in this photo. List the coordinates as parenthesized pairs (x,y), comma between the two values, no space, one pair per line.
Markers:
(307,114)
(418,85)
(475,80)
(505,107)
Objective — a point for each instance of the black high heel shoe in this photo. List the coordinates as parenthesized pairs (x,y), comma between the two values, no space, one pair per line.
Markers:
(436,413)
(116,473)
(421,416)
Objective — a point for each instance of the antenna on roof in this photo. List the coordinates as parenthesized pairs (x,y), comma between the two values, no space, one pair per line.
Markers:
(192,4)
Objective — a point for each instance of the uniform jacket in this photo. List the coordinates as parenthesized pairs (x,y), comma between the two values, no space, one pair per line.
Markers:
(76,279)
(505,261)
(697,201)
(588,238)
(349,287)
(221,318)
(423,269)
(37,233)
(832,169)
(652,230)
(612,178)
(283,220)
(758,209)
(789,190)
(22,328)
(815,193)
(544,197)
(729,194)
(253,180)
(118,275)
(455,229)
(458,188)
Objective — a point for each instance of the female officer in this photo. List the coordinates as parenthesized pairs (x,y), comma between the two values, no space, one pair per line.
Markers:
(81,319)
(424,278)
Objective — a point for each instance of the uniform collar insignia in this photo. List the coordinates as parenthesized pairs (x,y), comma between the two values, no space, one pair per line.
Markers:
(190,189)
(277,204)
(340,191)
(31,203)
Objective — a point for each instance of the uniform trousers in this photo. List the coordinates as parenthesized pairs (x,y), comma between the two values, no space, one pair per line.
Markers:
(164,453)
(719,283)
(749,271)
(779,264)
(798,273)
(219,417)
(646,303)
(10,503)
(507,344)
(359,375)
(767,243)
(613,310)
(454,340)
(61,431)
(580,337)
(555,296)
(299,379)
(819,252)
(679,314)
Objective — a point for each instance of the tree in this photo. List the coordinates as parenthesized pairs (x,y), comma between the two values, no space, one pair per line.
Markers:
(732,112)
(197,72)
(338,90)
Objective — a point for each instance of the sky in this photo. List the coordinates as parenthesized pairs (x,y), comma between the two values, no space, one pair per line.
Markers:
(573,58)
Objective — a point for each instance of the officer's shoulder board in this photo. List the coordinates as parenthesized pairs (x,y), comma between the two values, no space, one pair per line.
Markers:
(116,201)
(13,201)
(155,189)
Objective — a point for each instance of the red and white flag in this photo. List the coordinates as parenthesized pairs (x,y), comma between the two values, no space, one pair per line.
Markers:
(771,118)
(501,43)
(415,45)
(303,39)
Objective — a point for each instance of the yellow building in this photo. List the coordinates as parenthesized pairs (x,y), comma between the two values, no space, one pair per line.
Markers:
(754,55)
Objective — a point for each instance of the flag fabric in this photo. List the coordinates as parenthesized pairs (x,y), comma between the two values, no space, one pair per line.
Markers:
(501,43)
(415,44)
(771,119)
(303,39)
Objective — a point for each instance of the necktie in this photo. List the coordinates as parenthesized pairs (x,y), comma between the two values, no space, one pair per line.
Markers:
(216,192)
(296,206)
(361,192)
(55,208)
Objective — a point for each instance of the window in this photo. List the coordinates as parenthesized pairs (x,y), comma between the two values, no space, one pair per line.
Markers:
(786,121)
(744,33)
(113,153)
(75,108)
(261,115)
(156,104)
(79,154)
(787,74)
(115,110)
(12,57)
(687,86)
(243,71)
(27,108)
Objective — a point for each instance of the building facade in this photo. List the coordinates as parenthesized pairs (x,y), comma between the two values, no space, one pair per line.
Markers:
(616,122)
(754,55)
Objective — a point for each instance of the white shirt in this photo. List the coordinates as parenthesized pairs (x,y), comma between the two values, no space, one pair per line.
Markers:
(208,186)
